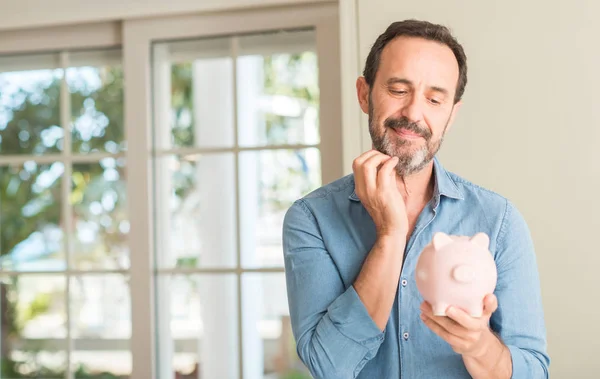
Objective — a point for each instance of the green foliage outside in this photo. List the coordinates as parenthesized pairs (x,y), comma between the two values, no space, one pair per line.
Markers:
(30,205)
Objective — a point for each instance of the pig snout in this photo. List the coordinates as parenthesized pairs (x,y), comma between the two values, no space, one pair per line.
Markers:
(463,274)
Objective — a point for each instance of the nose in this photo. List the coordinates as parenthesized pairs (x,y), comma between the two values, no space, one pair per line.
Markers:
(413,109)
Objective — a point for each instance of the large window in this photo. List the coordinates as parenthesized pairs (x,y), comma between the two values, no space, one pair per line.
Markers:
(145,170)
(64,256)
(236,138)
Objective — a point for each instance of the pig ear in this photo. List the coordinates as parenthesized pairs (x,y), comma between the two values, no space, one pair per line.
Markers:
(441,239)
(481,239)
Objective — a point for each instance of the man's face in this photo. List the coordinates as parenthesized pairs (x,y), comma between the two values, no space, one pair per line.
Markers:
(411,103)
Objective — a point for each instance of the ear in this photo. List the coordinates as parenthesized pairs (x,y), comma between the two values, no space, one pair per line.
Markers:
(455,108)
(440,240)
(362,91)
(481,239)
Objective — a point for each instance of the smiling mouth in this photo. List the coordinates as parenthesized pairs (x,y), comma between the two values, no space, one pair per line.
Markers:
(407,134)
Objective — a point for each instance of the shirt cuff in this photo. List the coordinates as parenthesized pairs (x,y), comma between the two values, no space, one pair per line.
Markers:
(351,318)
(525,365)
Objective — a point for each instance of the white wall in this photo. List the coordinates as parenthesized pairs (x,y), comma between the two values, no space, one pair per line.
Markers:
(530,130)
(32,13)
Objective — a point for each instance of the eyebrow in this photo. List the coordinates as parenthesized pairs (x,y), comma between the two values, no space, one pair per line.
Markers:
(395,80)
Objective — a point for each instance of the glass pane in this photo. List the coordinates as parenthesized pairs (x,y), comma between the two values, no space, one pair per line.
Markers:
(96,105)
(269,345)
(30,112)
(278,92)
(101,326)
(195,210)
(31,238)
(193,94)
(100,215)
(197,327)
(32,321)
(271,181)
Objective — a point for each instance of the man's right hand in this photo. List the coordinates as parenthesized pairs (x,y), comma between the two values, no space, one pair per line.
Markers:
(377,189)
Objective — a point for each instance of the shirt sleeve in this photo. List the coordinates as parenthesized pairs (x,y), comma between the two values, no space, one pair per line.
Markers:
(335,335)
(519,319)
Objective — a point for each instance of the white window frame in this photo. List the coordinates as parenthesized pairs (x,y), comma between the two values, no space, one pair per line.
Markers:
(52,48)
(88,36)
(138,36)
(355,122)
(135,37)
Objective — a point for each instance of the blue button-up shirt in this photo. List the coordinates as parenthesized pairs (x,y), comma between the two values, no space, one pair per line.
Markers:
(328,234)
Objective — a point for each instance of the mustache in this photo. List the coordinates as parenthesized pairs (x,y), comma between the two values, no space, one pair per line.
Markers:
(405,123)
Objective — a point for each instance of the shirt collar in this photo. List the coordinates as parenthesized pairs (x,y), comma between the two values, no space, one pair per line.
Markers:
(444,184)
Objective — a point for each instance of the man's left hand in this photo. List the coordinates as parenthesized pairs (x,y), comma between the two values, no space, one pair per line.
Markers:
(468,336)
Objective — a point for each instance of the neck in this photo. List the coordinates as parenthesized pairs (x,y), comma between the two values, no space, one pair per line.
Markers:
(417,187)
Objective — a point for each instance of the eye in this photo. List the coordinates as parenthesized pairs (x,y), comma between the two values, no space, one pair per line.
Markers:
(435,102)
(400,92)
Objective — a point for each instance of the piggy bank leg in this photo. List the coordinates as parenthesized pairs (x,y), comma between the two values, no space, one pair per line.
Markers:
(439,309)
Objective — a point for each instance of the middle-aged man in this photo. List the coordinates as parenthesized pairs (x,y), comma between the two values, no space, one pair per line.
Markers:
(351,246)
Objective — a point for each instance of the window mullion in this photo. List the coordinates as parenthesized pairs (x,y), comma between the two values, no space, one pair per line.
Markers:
(66,212)
(234,57)
(95,157)
(136,68)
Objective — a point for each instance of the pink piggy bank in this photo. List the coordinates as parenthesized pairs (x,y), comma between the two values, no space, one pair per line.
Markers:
(458,271)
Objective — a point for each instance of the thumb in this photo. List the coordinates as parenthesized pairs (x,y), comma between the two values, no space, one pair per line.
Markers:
(490,304)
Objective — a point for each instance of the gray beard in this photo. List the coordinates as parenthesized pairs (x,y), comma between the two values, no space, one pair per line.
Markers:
(409,162)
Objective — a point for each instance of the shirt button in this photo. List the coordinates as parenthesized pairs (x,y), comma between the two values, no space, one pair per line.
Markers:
(404,282)
(405,335)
